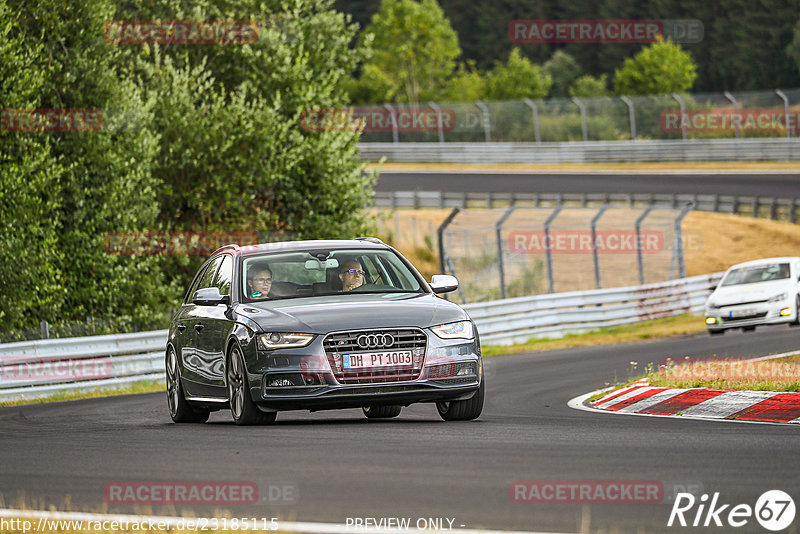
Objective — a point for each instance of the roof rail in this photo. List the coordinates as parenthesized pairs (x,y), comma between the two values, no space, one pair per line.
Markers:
(370,239)
(230,246)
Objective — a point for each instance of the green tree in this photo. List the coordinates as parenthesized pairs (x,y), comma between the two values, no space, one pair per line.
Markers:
(515,79)
(414,50)
(589,86)
(563,70)
(793,49)
(29,190)
(661,68)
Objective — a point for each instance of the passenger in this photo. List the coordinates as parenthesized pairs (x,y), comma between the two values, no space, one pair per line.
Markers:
(259,282)
(351,275)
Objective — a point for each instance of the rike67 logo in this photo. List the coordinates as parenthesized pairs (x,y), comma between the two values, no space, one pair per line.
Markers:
(774,510)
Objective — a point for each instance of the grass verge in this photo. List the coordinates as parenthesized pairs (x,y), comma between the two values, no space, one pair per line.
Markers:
(144,386)
(678,325)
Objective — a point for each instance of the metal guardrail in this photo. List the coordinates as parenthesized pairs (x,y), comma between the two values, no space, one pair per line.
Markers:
(755,206)
(32,369)
(41,368)
(517,320)
(757,149)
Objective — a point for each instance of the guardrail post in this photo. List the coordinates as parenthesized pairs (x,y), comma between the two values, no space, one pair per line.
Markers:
(547,244)
(487,127)
(682,105)
(395,135)
(735,206)
(594,245)
(631,115)
(638,227)
(772,202)
(531,104)
(730,97)
(44,329)
(792,205)
(440,235)
(498,228)
(755,206)
(584,126)
(435,107)
(783,97)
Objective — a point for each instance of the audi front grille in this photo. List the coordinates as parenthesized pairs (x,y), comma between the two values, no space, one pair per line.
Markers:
(368,341)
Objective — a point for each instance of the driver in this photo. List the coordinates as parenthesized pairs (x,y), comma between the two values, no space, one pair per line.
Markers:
(351,275)
(259,282)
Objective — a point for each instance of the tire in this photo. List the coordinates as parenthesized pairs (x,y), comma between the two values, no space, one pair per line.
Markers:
(243,409)
(796,321)
(748,329)
(179,408)
(464,410)
(381,412)
(717,332)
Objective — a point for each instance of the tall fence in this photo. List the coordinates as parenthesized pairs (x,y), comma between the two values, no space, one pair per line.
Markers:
(515,252)
(737,115)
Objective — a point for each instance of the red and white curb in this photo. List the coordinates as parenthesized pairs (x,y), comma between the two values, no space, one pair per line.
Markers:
(642,399)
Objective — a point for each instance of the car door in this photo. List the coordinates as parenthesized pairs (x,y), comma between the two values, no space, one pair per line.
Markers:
(211,332)
(197,375)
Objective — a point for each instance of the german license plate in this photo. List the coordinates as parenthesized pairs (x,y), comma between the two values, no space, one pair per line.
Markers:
(368,360)
(742,313)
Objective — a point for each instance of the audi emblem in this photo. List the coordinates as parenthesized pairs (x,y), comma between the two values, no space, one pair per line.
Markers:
(374,341)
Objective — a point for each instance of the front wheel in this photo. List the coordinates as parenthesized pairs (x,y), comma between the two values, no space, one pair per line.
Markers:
(243,409)
(381,412)
(464,410)
(796,321)
(179,408)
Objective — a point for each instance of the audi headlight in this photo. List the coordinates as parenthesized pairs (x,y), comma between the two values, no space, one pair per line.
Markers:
(778,298)
(281,340)
(459,330)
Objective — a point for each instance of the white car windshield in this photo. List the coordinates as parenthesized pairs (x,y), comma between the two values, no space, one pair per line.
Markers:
(759,273)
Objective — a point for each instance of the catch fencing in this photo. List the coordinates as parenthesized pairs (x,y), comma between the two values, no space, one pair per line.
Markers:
(681,117)
(35,369)
(517,251)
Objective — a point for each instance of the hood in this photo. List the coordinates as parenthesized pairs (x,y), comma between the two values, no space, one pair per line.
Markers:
(320,315)
(728,295)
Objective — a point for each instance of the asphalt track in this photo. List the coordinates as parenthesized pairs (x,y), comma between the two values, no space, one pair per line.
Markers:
(767,184)
(417,466)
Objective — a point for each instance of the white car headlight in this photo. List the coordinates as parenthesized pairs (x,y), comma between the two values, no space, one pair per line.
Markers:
(281,340)
(778,298)
(459,330)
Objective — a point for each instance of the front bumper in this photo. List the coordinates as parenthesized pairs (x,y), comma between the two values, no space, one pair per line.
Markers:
(750,315)
(303,379)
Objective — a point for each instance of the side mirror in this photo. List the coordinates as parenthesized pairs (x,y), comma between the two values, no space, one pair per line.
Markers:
(210,296)
(443,283)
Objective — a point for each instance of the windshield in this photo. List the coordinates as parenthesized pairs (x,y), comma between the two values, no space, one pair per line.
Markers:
(325,272)
(760,273)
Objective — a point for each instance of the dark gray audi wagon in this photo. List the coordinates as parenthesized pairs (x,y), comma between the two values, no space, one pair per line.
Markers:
(317,325)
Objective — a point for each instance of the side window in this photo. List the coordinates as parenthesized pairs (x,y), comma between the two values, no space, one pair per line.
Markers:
(195,284)
(223,278)
(207,280)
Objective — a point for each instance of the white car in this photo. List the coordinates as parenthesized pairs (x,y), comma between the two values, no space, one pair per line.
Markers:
(753,293)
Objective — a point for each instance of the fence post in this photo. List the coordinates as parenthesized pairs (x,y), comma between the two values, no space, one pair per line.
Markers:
(487,127)
(783,97)
(638,227)
(682,105)
(498,228)
(547,243)
(531,104)
(631,115)
(679,239)
(395,136)
(440,235)
(594,245)
(584,126)
(730,97)
(435,107)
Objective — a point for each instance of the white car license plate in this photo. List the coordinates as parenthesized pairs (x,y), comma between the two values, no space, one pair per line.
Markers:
(742,313)
(366,360)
